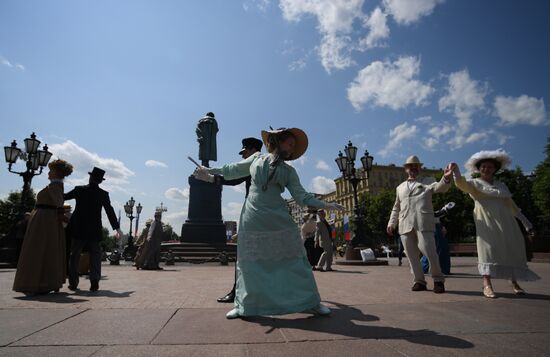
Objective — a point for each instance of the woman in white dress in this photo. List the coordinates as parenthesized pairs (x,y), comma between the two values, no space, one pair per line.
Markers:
(500,243)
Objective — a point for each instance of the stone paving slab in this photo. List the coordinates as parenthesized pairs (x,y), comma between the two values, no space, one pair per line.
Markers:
(103,327)
(49,351)
(19,323)
(204,326)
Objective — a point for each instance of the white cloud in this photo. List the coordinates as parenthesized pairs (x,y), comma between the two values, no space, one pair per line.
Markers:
(389,84)
(430,143)
(397,135)
(261,5)
(464,97)
(176,194)
(154,163)
(116,172)
(378,29)
(440,130)
(335,24)
(301,161)
(521,110)
(406,12)
(232,211)
(321,184)
(322,165)
(7,63)
(424,120)
(297,65)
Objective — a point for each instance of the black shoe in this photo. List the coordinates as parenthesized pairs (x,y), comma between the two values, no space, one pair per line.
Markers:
(439,287)
(228,298)
(72,287)
(94,286)
(419,287)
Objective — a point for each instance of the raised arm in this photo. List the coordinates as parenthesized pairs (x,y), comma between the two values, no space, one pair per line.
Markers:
(302,197)
(235,170)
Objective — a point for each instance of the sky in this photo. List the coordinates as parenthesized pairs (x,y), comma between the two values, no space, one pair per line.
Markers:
(122,84)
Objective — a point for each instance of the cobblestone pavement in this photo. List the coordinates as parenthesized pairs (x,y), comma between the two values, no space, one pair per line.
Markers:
(174,313)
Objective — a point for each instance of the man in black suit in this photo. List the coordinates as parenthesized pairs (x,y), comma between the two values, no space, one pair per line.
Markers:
(250,147)
(85,227)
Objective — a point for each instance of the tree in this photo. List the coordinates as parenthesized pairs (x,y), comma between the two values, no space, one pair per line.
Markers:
(541,192)
(108,242)
(168,233)
(11,207)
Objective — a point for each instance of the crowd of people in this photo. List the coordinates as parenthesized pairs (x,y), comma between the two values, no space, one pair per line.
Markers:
(276,259)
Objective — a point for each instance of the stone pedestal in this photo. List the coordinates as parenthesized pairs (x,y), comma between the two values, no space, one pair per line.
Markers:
(204,219)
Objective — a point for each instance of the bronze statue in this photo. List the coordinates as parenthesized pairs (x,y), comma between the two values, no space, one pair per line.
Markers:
(206,136)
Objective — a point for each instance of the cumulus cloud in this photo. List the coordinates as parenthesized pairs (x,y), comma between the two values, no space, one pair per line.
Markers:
(7,63)
(116,172)
(424,120)
(406,12)
(177,194)
(322,165)
(322,185)
(397,135)
(378,29)
(464,97)
(240,188)
(335,23)
(154,163)
(389,84)
(521,110)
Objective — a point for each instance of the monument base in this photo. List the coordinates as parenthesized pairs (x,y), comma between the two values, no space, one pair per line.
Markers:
(204,220)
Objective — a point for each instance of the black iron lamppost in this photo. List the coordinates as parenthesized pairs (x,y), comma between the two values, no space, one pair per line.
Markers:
(35,159)
(130,249)
(139,207)
(346,165)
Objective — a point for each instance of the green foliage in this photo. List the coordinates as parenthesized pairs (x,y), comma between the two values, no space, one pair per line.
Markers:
(541,192)
(11,206)
(108,242)
(168,233)
(460,221)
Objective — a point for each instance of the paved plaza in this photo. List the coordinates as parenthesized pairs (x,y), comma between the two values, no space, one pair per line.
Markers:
(174,313)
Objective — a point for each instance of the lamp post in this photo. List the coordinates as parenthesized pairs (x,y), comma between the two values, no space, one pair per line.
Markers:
(35,159)
(346,165)
(139,207)
(130,249)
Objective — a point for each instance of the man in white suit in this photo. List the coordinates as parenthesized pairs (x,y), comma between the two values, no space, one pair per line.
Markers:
(413,212)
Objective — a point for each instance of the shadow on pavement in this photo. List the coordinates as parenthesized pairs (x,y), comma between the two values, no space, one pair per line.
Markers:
(502,295)
(104,293)
(346,271)
(349,322)
(58,298)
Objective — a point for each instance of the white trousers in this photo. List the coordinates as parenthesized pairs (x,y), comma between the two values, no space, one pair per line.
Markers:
(416,242)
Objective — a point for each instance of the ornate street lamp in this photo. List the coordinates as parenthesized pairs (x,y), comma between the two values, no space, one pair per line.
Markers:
(346,165)
(130,249)
(139,207)
(35,159)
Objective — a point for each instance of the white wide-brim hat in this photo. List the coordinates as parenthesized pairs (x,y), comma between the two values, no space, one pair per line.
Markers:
(499,155)
(301,141)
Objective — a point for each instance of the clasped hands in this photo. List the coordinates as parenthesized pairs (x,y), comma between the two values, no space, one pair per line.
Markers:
(201,173)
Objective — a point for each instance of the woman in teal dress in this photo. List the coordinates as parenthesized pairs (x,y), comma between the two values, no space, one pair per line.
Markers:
(274,276)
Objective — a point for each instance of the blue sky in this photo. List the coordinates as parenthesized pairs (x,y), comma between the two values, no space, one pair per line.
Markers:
(121,85)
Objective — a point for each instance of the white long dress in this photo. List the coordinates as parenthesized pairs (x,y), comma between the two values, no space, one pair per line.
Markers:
(500,243)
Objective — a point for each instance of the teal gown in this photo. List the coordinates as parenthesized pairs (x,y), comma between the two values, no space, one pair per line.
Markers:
(274,276)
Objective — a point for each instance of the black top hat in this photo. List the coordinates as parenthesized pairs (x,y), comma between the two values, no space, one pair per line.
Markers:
(251,143)
(97,173)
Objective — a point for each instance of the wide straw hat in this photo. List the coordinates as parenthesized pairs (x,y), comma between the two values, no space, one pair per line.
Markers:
(499,156)
(301,140)
(413,160)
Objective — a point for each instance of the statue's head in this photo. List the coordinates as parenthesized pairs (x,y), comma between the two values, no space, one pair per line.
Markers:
(210,115)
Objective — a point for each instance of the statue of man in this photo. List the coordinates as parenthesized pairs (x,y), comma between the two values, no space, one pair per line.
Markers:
(206,136)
